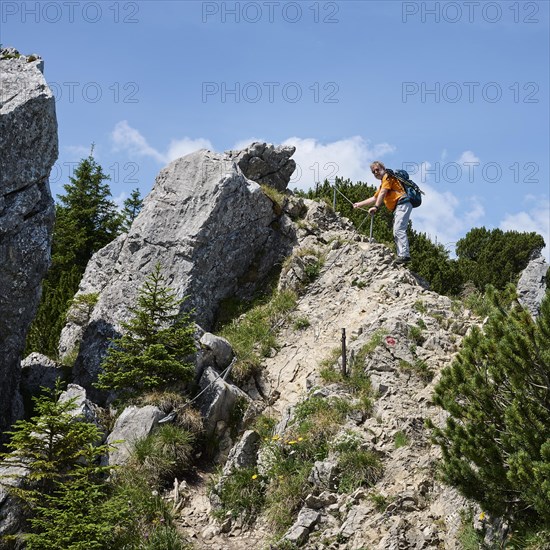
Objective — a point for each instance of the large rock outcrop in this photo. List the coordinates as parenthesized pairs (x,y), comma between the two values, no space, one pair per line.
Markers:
(533,284)
(215,232)
(28,150)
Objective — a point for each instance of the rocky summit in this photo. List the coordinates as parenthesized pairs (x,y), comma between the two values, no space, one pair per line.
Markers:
(28,150)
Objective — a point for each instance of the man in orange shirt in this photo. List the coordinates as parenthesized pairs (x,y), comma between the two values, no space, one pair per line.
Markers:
(394,197)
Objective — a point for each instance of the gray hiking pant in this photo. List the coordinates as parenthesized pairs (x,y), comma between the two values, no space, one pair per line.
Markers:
(401,216)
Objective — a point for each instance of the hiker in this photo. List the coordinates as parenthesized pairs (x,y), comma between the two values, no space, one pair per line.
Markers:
(396,200)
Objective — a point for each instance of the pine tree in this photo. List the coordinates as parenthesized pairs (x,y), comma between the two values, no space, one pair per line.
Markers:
(86,220)
(494,256)
(496,443)
(431,261)
(132,207)
(50,445)
(65,497)
(158,339)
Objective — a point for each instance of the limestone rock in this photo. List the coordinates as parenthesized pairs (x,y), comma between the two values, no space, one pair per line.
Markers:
(533,284)
(323,500)
(324,474)
(266,164)
(83,407)
(132,425)
(219,397)
(299,532)
(212,229)
(38,371)
(28,150)
(244,454)
(354,521)
(221,349)
(11,512)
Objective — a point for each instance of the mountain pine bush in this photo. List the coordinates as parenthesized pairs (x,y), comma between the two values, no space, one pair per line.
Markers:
(496,442)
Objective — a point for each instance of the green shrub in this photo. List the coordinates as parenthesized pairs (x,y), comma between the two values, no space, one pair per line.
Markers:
(64,494)
(469,538)
(495,444)
(359,468)
(380,501)
(301,323)
(165,538)
(420,368)
(415,334)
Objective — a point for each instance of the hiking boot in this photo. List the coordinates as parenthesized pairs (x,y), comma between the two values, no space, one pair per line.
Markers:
(402,260)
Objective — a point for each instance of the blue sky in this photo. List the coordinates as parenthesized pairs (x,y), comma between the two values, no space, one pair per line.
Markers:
(457,92)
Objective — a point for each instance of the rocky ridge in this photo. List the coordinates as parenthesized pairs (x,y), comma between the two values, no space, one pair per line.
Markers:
(359,289)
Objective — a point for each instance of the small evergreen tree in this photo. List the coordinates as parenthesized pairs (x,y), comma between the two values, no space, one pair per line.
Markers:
(64,491)
(132,207)
(50,445)
(496,443)
(158,340)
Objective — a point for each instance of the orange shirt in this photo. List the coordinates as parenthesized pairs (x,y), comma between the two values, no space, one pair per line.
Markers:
(395,191)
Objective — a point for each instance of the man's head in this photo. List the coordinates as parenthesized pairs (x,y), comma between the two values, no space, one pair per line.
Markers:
(378,169)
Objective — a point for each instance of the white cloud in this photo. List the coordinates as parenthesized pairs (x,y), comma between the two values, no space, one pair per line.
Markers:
(444,217)
(467,158)
(536,217)
(181,147)
(346,158)
(126,138)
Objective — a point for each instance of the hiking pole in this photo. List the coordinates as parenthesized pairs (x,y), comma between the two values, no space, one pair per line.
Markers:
(371,240)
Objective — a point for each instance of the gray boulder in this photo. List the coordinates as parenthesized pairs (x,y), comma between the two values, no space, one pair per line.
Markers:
(305,522)
(212,229)
(324,475)
(266,164)
(11,511)
(84,409)
(217,399)
(244,454)
(28,150)
(221,349)
(533,284)
(132,425)
(38,371)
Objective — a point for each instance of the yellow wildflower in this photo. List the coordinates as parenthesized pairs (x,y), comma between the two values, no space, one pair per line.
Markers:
(482,516)
(254,476)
